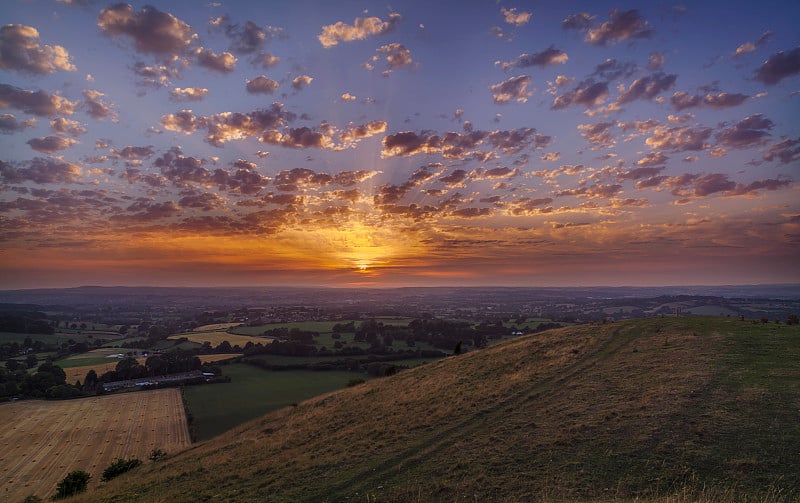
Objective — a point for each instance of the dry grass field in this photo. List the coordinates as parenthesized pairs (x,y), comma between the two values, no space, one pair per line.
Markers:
(42,441)
(79,373)
(215,338)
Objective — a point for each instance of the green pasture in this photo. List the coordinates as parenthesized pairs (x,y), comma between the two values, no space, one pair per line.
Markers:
(252,392)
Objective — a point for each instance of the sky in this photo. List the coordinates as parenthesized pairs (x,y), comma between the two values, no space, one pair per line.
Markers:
(411,143)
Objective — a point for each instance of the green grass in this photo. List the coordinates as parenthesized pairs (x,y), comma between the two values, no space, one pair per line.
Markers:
(45,338)
(82,362)
(252,392)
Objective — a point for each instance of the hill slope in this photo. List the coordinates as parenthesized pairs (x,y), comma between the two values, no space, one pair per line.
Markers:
(649,408)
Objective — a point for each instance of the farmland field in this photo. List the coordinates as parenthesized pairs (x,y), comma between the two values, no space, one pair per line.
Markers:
(42,441)
(79,373)
(253,392)
(216,338)
(216,326)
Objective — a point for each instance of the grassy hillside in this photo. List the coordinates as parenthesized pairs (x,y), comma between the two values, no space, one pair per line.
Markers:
(671,409)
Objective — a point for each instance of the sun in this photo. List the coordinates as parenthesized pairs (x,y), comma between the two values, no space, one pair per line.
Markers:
(362,267)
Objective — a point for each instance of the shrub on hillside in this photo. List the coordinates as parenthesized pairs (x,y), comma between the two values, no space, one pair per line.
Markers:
(156,455)
(74,483)
(119,467)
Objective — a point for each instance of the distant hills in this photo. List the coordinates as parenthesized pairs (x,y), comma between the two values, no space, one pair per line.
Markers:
(579,304)
(689,409)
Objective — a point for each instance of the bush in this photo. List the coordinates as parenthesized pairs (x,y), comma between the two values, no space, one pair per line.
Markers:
(156,455)
(119,467)
(74,483)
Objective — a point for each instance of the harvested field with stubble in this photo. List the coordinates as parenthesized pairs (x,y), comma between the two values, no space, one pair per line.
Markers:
(42,441)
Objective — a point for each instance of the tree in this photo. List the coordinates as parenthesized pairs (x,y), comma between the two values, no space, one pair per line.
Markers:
(31,361)
(90,381)
(74,483)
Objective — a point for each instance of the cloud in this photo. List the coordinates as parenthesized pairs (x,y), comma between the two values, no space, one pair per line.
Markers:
(302,137)
(785,151)
(222,63)
(39,170)
(611,69)
(182,170)
(471,212)
(454,145)
(361,28)
(621,25)
(261,85)
(267,61)
(146,210)
(250,38)
(227,126)
(50,144)
(203,201)
(697,185)
(679,139)
(681,100)
(639,127)
(21,52)
(748,132)
(752,46)
(245,180)
(354,133)
(151,30)
(598,134)
(644,172)
(133,152)
(294,179)
(601,191)
(396,56)
(647,87)
(515,88)
(527,206)
(301,82)
(9,124)
(587,93)
(652,159)
(67,126)
(680,119)
(779,66)
(579,21)
(347,97)
(455,178)
(753,188)
(155,76)
(95,107)
(35,102)
(550,56)
(187,94)
(515,18)
(655,61)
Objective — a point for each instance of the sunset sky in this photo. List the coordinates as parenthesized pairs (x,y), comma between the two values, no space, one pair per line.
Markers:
(481,142)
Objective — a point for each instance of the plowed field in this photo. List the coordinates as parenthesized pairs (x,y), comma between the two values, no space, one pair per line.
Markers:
(42,441)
